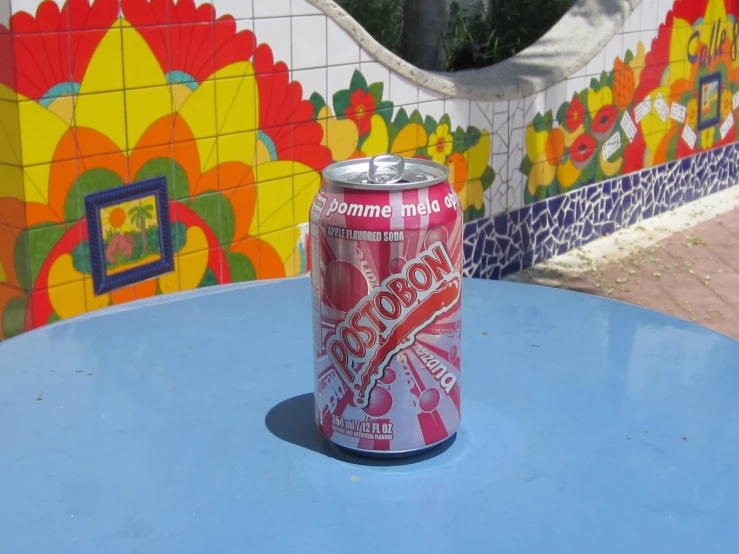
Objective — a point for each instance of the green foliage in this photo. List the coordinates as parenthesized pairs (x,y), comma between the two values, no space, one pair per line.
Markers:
(140,215)
(476,38)
(383,19)
(483,38)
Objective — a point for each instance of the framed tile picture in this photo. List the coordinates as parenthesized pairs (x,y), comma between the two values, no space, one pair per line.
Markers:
(129,234)
(709,101)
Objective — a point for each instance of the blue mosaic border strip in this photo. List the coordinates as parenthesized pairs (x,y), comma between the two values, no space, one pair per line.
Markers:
(506,243)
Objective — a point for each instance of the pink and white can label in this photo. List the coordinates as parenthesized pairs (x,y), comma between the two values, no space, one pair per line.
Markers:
(386,263)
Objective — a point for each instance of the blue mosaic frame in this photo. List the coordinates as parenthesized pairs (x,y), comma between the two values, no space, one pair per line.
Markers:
(156,187)
(506,243)
(705,124)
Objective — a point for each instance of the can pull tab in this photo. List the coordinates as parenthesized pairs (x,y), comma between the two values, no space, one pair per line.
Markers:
(386,168)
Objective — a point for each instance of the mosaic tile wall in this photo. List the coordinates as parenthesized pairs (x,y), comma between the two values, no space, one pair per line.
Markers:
(154,146)
(512,241)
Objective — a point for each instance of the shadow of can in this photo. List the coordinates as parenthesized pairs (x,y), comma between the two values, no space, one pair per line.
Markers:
(292,421)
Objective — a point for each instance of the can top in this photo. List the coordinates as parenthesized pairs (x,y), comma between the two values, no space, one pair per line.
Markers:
(386,172)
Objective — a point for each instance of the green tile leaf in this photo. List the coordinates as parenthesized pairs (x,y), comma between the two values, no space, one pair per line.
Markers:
(218,213)
(430,124)
(488,177)
(358,81)
(178,187)
(318,104)
(92,180)
(241,267)
(342,100)
(401,118)
(81,257)
(14,317)
(376,90)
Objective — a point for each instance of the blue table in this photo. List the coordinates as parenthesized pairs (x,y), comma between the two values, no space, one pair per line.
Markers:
(184,425)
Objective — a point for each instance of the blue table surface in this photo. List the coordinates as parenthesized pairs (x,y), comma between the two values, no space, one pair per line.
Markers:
(184,425)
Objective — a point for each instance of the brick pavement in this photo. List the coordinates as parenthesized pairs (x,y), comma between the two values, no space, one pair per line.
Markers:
(692,274)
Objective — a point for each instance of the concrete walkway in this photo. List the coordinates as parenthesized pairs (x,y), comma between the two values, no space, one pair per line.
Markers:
(684,263)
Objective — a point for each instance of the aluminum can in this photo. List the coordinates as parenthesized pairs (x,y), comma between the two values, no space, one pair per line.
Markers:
(386,276)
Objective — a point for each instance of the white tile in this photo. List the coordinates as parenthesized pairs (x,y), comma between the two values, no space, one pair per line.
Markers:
(664,7)
(271,8)
(555,97)
(273,32)
(479,118)
(488,108)
(301,7)
(364,56)
(646,37)
(403,92)
(500,143)
(596,65)
(238,9)
(458,111)
(500,123)
(495,198)
(426,95)
(500,164)
(434,108)
(243,25)
(500,106)
(633,22)
(312,80)
(515,154)
(631,41)
(515,110)
(582,72)
(516,182)
(516,142)
(339,78)
(501,133)
(514,194)
(650,19)
(614,49)
(5,13)
(377,73)
(28,6)
(575,86)
(309,41)
(534,104)
(342,49)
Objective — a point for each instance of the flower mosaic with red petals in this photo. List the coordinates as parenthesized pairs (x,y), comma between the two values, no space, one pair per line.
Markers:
(285,118)
(361,109)
(240,143)
(575,114)
(695,41)
(604,121)
(53,48)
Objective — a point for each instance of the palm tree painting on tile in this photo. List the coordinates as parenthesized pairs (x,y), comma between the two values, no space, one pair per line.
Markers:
(131,232)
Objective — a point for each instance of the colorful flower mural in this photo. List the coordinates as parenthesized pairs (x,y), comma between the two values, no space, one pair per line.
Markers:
(362,124)
(103,94)
(645,111)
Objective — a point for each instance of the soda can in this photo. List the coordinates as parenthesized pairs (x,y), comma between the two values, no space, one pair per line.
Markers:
(386,264)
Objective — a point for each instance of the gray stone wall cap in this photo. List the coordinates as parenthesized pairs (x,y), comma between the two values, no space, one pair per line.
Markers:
(573,41)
